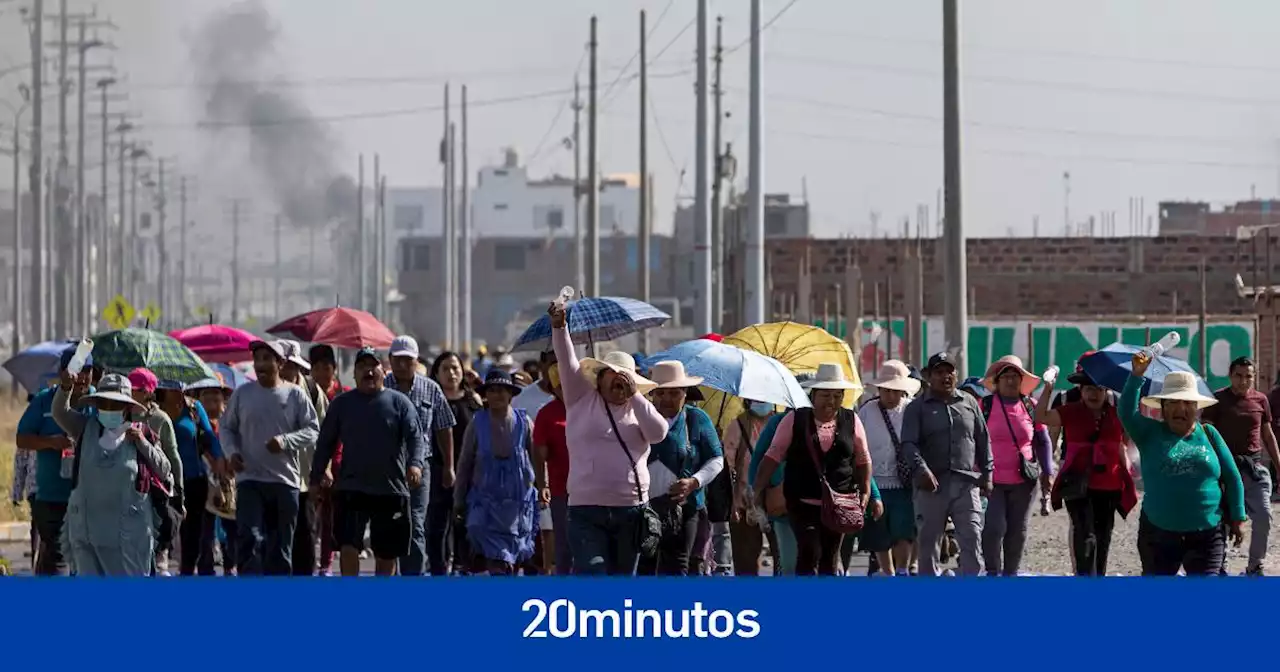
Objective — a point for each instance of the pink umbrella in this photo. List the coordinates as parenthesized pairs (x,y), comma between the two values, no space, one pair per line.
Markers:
(216,343)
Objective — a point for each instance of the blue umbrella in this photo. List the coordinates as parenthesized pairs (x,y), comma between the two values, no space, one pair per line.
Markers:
(738,372)
(32,366)
(1112,366)
(592,320)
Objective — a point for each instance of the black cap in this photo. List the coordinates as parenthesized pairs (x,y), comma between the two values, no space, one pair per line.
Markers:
(322,353)
(367,352)
(940,359)
(1080,378)
(499,378)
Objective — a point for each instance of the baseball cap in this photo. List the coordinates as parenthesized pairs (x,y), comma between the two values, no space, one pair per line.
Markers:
(322,353)
(293,354)
(404,346)
(367,352)
(143,379)
(276,347)
(940,359)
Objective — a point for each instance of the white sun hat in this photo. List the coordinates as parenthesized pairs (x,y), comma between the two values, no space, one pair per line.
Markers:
(829,377)
(1179,386)
(618,362)
(894,375)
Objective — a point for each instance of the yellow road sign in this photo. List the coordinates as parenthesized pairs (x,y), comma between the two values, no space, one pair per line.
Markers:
(151,314)
(118,313)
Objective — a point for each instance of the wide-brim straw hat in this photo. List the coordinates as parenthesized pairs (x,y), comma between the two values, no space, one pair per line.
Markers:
(1179,386)
(670,374)
(894,375)
(1030,381)
(618,362)
(829,376)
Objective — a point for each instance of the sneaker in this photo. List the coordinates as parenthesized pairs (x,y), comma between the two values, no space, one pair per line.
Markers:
(948,572)
(1256,570)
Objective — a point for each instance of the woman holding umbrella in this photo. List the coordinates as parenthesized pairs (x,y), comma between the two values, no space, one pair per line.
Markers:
(1188,475)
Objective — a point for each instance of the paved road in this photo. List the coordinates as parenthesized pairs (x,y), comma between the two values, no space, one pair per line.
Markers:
(20,561)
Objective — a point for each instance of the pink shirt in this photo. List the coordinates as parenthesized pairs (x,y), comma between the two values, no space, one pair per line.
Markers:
(1005,447)
(826,438)
(599,472)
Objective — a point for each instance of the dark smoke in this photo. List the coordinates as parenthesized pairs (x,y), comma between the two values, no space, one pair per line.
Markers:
(292,153)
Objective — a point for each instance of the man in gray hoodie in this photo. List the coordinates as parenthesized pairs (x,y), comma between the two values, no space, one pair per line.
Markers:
(266,425)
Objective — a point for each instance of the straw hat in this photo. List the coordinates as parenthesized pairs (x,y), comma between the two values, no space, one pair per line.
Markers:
(894,375)
(618,362)
(829,377)
(670,374)
(1179,386)
(1030,381)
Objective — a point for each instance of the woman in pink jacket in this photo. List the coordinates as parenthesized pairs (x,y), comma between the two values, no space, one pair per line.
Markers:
(609,427)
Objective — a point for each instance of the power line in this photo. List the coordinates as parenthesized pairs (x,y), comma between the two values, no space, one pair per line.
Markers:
(609,89)
(666,148)
(564,105)
(766,26)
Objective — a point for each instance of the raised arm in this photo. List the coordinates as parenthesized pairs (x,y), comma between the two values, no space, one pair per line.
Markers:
(1139,427)
(1044,415)
(71,421)
(572,385)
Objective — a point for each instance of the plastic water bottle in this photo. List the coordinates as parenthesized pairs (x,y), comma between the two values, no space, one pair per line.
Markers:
(1169,342)
(566,295)
(1050,374)
(81,356)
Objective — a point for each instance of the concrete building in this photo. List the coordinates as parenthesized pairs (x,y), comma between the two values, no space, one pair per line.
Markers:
(1200,218)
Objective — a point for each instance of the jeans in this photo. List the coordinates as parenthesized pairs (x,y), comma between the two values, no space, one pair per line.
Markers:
(439,531)
(415,563)
(560,530)
(266,514)
(196,531)
(48,518)
(304,537)
(1164,552)
(603,539)
(1092,520)
(1257,503)
(1004,533)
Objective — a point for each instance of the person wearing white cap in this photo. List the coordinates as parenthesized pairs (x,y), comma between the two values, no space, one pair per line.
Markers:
(892,535)
(609,428)
(427,550)
(1191,486)
(297,371)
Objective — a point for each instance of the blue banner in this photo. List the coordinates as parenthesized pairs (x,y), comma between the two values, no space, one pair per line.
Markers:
(725,625)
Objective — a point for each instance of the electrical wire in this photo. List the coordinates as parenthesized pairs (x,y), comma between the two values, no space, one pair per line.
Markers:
(648,36)
(764,27)
(666,147)
(564,105)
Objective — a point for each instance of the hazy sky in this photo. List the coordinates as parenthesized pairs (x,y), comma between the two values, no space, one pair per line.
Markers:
(1160,99)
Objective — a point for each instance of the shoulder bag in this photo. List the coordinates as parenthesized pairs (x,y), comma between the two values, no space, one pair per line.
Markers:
(904,469)
(841,513)
(649,527)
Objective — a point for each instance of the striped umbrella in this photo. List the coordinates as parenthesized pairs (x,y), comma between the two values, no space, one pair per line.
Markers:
(124,350)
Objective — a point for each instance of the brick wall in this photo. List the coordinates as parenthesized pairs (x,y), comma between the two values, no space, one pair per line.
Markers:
(1044,277)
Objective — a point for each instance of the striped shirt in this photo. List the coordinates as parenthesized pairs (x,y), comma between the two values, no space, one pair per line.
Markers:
(429,401)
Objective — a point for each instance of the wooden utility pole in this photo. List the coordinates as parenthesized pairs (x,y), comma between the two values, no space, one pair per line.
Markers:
(644,231)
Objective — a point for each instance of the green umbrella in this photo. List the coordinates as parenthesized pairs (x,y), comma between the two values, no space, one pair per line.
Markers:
(124,350)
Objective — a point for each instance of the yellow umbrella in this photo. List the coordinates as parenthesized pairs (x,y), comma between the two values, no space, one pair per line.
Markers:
(800,347)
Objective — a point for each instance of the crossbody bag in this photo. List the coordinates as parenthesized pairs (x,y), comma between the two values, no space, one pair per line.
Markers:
(1029,470)
(649,527)
(842,513)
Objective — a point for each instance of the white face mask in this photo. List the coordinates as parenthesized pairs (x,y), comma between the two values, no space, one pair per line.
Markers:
(111,419)
(761,408)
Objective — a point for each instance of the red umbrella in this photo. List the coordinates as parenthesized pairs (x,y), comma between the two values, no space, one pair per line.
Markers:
(711,337)
(339,327)
(216,343)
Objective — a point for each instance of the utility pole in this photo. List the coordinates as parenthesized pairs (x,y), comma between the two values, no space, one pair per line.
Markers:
(373,305)
(957,310)
(131,282)
(380,271)
(361,274)
(579,277)
(235,262)
(717,185)
(40,259)
(82,239)
(278,274)
(702,189)
(643,232)
(446,236)
(121,258)
(182,246)
(593,175)
(455,329)
(755,285)
(61,233)
(19,318)
(465,213)
(104,232)
(161,202)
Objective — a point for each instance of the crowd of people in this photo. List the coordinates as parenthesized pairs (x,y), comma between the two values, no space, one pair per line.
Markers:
(593,466)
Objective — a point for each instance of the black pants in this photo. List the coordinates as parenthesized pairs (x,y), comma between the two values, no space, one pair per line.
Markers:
(48,518)
(1092,519)
(1163,552)
(304,537)
(229,546)
(676,545)
(196,530)
(440,539)
(817,548)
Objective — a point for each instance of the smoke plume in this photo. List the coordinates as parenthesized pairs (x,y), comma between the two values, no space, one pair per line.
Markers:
(293,154)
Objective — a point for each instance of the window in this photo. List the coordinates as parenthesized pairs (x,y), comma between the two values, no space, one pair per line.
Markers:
(508,257)
(555,219)
(775,223)
(499,206)
(415,255)
(409,217)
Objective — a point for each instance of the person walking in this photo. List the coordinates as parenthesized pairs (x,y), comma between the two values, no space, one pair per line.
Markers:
(1095,481)
(1190,481)
(115,461)
(267,424)
(213,393)
(384,456)
(610,425)
(747,539)
(824,446)
(296,371)
(168,498)
(23,489)
(324,371)
(891,536)
(680,466)
(197,445)
(946,446)
(497,489)
(446,541)
(436,423)
(552,453)
(1243,417)
(1022,457)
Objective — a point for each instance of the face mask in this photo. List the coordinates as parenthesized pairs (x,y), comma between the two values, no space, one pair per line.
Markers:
(761,408)
(111,419)
(553,375)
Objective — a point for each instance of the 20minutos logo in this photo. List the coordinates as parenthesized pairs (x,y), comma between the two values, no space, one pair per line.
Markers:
(563,619)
